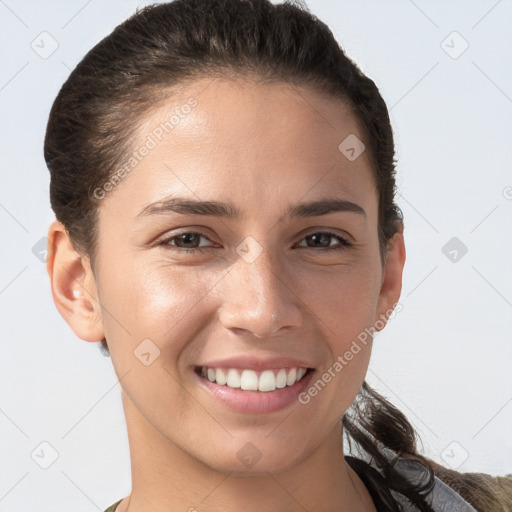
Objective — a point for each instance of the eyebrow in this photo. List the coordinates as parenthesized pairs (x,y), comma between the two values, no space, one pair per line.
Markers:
(230,211)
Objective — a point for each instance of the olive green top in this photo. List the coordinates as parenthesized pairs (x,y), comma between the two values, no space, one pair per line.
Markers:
(112,508)
(441,498)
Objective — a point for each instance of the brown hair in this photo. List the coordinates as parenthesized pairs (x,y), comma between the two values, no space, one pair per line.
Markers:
(135,68)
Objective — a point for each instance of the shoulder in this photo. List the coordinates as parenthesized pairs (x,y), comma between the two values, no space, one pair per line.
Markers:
(485,492)
(438,494)
(463,492)
(442,498)
(112,508)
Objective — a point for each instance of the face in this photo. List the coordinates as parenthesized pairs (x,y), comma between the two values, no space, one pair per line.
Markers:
(250,288)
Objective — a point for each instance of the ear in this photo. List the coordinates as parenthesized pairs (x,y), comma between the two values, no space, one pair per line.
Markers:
(73,285)
(391,285)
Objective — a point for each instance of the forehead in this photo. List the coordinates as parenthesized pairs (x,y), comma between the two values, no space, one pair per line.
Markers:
(238,138)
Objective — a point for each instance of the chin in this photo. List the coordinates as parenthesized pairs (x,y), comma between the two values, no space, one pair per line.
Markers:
(247,460)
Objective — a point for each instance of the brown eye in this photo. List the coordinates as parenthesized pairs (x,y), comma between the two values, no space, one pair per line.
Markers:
(187,241)
(324,238)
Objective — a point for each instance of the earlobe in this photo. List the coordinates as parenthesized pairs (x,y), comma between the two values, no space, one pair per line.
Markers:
(391,285)
(73,285)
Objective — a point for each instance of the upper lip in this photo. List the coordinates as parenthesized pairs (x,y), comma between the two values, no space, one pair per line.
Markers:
(255,363)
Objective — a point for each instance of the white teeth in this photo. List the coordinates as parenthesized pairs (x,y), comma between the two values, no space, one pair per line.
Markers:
(233,380)
(220,377)
(292,377)
(267,381)
(281,378)
(300,373)
(248,380)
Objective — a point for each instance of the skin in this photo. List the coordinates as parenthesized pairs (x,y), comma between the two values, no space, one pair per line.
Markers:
(262,147)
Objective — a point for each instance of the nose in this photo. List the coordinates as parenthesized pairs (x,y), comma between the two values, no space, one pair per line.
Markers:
(259,299)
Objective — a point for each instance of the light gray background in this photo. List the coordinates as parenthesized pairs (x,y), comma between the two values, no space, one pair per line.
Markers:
(445,360)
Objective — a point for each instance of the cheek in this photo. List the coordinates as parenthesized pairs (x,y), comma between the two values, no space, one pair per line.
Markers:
(344,311)
(343,305)
(149,300)
(164,302)
(344,299)
(154,317)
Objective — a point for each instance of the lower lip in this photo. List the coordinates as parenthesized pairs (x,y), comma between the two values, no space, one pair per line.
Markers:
(256,402)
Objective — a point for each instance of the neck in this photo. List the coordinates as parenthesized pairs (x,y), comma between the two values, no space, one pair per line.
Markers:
(165,478)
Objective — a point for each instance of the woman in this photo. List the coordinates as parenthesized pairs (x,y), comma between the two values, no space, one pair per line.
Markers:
(223,181)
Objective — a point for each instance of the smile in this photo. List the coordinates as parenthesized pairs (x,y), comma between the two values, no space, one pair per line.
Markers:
(254,385)
(251,380)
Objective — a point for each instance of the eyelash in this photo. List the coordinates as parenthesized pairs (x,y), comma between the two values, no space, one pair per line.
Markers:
(344,244)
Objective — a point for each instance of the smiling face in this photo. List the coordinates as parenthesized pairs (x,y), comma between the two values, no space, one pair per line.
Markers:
(271,285)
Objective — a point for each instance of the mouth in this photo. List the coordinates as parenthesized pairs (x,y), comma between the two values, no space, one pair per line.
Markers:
(253,380)
(250,391)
